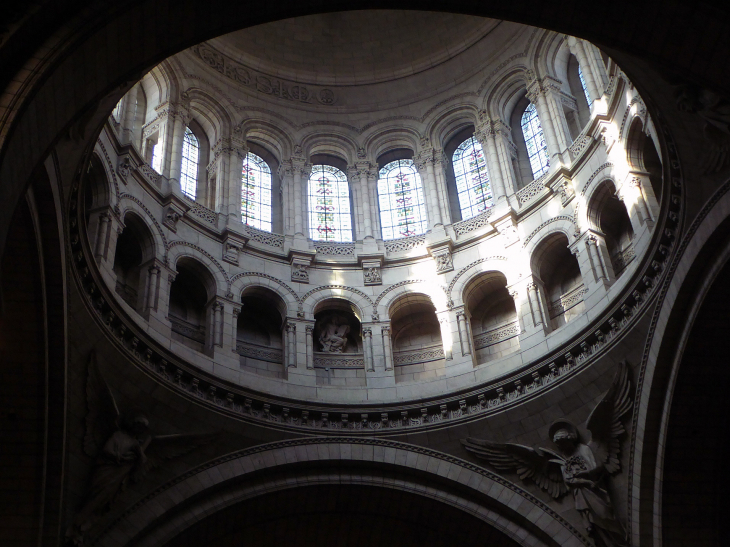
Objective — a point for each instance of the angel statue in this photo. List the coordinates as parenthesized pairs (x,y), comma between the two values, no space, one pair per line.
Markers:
(579,468)
(123,449)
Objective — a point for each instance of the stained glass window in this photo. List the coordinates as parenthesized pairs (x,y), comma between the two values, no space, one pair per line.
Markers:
(329,205)
(535,141)
(189,167)
(400,196)
(472,178)
(583,85)
(256,193)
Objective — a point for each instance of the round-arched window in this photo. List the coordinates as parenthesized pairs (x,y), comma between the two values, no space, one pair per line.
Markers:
(329,204)
(472,178)
(400,196)
(256,192)
(535,141)
(189,167)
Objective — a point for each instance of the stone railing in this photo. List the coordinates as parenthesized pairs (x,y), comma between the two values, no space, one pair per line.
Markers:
(531,191)
(262,353)
(567,301)
(188,330)
(420,355)
(264,238)
(496,335)
(335,249)
(404,244)
(465,226)
(338,360)
(149,173)
(622,259)
(200,211)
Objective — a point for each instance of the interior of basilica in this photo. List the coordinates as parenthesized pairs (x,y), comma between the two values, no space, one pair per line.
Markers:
(364,274)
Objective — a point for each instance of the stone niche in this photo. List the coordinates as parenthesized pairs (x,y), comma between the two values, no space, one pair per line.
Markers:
(337,343)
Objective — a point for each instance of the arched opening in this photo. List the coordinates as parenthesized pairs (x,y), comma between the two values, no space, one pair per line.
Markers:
(329,203)
(643,156)
(259,332)
(608,215)
(577,119)
(493,316)
(276,219)
(557,273)
(135,249)
(418,352)
(190,294)
(337,344)
(522,165)
(401,200)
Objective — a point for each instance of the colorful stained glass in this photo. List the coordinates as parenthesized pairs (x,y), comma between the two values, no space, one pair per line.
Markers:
(400,196)
(189,167)
(472,178)
(256,193)
(584,86)
(535,141)
(329,205)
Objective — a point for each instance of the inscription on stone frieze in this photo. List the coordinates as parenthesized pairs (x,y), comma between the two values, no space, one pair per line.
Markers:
(261,82)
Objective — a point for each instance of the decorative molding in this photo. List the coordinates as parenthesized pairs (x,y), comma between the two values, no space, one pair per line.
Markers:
(188,330)
(532,190)
(474,223)
(341,287)
(593,176)
(467,268)
(496,335)
(300,273)
(152,219)
(150,174)
(421,355)
(201,211)
(338,360)
(269,277)
(335,249)
(567,301)
(209,257)
(402,284)
(536,230)
(265,238)
(262,353)
(404,243)
(111,168)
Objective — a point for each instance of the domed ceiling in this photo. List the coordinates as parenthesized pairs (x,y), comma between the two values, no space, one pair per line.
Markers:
(355,47)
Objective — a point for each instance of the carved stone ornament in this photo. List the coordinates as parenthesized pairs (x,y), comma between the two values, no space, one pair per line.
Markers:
(333,334)
(232,247)
(124,167)
(442,256)
(172,215)
(579,468)
(300,273)
(123,449)
(372,276)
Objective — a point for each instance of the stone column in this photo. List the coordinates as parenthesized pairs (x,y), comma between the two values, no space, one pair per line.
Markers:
(286,173)
(130,112)
(152,287)
(536,308)
(364,194)
(424,165)
(102,235)
(462,320)
(447,339)
(234,324)
(599,267)
(291,339)
(309,330)
(387,348)
(439,164)
(485,136)
(374,205)
(515,294)
(367,346)
(180,119)
(587,68)
(552,117)
(638,197)
(353,180)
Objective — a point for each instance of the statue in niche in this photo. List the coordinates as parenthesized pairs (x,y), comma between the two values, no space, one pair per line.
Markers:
(579,468)
(123,448)
(333,334)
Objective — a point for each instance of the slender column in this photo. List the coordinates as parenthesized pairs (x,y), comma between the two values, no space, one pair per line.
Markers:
(362,175)
(432,196)
(180,121)
(309,329)
(291,338)
(442,196)
(535,307)
(218,332)
(446,337)
(285,185)
(154,272)
(388,348)
(537,96)
(235,180)
(596,262)
(576,47)
(374,205)
(367,339)
(130,111)
(485,136)
(298,166)
(354,182)
(234,330)
(505,152)
(515,294)
(463,333)
(593,54)
(102,233)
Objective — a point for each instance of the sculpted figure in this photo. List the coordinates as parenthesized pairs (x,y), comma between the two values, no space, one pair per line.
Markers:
(333,337)
(578,468)
(123,448)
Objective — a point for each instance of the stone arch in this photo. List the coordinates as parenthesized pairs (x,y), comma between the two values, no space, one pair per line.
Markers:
(468,273)
(501,94)
(269,135)
(103,190)
(560,223)
(449,122)
(181,249)
(357,298)
(435,292)
(128,203)
(391,138)
(245,281)
(240,475)
(331,144)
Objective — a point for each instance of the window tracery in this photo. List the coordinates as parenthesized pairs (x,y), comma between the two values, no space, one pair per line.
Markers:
(401,202)
(329,205)
(472,178)
(535,141)
(256,193)
(189,167)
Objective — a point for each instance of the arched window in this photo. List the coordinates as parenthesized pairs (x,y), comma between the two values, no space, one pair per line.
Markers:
(584,86)
(189,167)
(472,178)
(400,195)
(535,141)
(256,193)
(329,205)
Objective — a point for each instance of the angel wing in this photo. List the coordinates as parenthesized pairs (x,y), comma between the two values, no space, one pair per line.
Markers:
(102,414)
(163,448)
(604,423)
(540,465)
